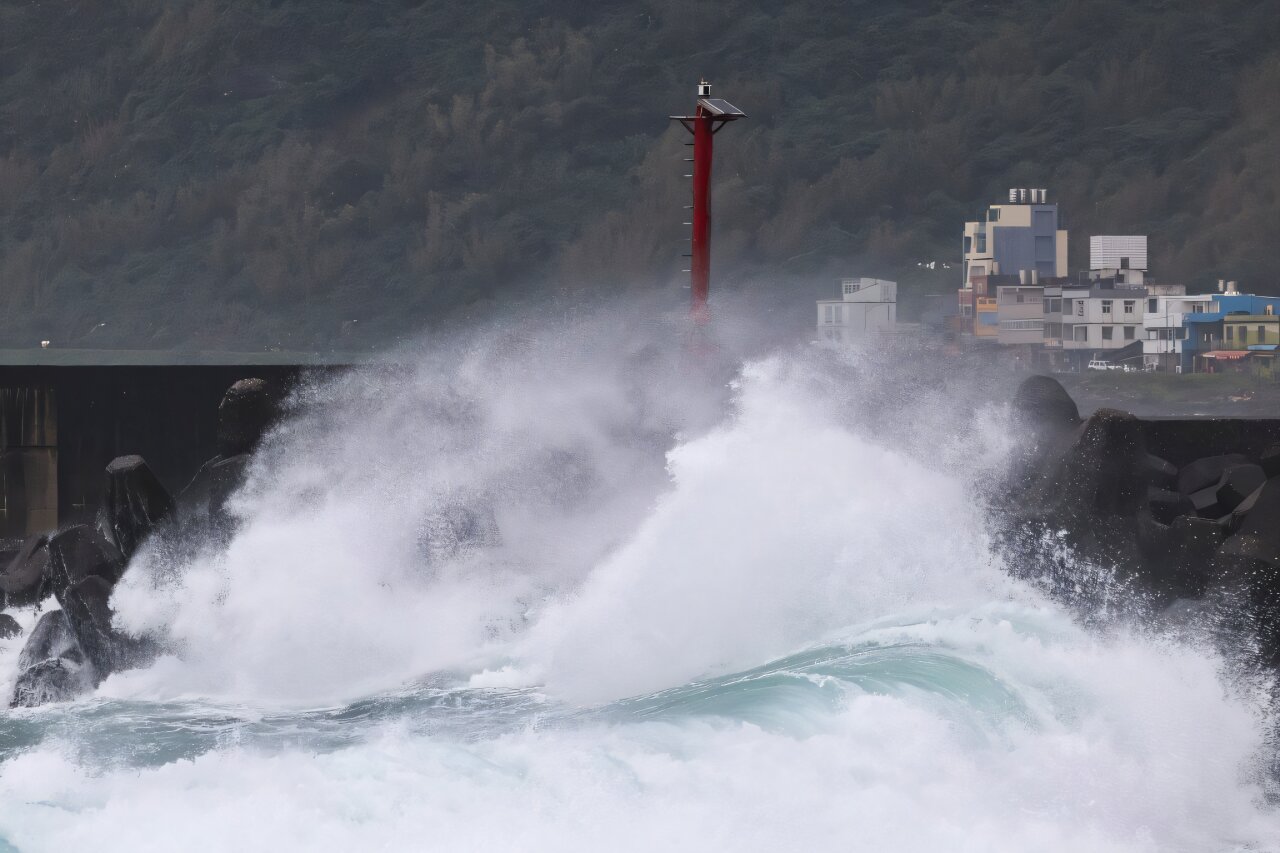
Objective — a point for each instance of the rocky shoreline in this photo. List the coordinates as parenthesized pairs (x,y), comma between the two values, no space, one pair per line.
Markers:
(72,649)
(1182,515)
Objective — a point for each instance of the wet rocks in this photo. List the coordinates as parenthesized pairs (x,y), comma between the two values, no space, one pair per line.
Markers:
(243,416)
(9,627)
(1167,505)
(204,500)
(1043,404)
(79,552)
(72,649)
(1237,484)
(53,680)
(245,413)
(51,667)
(1209,528)
(23,581)
(1206,472)
(134,503)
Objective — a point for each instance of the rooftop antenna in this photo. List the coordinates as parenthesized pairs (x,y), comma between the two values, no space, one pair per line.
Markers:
(711,115)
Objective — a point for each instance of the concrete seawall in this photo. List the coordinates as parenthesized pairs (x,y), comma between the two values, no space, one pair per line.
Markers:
(61,424)
(1183,440)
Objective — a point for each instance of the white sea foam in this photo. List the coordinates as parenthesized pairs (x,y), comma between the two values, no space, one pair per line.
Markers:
(1124,746)
(656,527)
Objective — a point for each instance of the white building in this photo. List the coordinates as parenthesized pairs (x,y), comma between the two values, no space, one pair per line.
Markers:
(1164,320)
(1112,252)
(1092,316)
(868,306)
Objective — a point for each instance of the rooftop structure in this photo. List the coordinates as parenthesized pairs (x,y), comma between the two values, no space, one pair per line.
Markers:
(866,307)
(1110,252)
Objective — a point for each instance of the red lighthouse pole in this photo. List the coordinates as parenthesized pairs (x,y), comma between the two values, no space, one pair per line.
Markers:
(711,115)
(700,242)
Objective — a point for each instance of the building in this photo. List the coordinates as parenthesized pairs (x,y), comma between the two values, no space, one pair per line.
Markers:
(1165,323)
(1205,347)
(1114,253)
(1020,309)
(1090,317)
(867,307)
(1020,238)
(1251,331)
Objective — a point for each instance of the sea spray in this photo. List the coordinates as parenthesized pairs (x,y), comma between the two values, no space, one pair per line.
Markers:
(749,605)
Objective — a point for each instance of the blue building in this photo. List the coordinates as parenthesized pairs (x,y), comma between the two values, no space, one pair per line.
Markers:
(1204,331)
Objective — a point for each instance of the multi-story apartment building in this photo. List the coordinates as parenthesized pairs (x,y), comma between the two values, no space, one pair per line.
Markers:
(1206,331)
(1020,311)
(1087,317)
(866,306)
(1165,322)
(1020,238)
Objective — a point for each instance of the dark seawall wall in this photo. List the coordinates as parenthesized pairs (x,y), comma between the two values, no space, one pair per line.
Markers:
(62,425)
(1183,440)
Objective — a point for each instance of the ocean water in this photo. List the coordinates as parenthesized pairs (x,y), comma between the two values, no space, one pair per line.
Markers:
(590,585)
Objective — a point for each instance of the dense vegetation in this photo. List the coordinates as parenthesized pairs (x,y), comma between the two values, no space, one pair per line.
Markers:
(248,173)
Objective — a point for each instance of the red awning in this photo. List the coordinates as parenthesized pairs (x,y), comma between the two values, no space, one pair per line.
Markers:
(1227,354)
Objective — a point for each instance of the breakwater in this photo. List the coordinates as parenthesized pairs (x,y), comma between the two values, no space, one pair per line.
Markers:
(1183,514)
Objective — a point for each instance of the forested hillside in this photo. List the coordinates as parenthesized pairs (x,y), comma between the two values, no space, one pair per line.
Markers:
(249,173)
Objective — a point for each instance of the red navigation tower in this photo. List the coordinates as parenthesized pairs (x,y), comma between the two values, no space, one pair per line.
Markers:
(711,115)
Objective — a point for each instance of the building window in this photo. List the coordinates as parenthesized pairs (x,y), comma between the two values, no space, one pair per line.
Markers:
(1079,333)
(993,215)
(1046,307)
(1128,333)
(1107,332)
(1079,307)
(968,244)
(1262,334)
(1197,308)
(1130,305)
(1153,306)
(1244,336)
(982,243)
(1231,333)
(826,314)
(1106,306)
